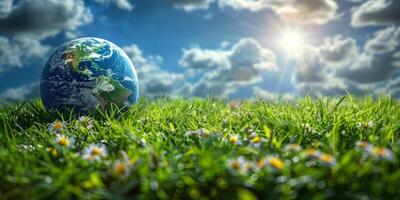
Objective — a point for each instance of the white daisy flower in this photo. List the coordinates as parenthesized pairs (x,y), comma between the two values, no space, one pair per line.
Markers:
(240,164)
(364,146)
(94,152)
(121,168)
(381,153)
(64,141)
(86,121)
(255,140)
(57,126)
(365,124)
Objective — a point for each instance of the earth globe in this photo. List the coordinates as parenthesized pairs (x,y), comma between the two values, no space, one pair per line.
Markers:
(87,74)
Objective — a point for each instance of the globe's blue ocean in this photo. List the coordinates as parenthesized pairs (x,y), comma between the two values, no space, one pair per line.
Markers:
(86,74)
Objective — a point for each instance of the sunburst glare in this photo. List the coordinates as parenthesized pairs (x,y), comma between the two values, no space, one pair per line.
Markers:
(292,42)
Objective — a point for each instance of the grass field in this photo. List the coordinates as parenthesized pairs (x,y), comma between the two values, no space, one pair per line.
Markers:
(344,148)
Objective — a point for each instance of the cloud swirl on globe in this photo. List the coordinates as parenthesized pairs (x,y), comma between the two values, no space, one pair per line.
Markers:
(88,73)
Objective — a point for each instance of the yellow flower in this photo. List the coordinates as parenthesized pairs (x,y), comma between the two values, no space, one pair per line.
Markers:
(234,139)
(255,139)
(52,151)
(276,163)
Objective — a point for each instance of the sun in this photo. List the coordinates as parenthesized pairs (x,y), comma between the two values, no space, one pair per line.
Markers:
(293,42)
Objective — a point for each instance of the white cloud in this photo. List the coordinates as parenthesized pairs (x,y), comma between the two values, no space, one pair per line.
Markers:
(152,79)
(384,41)
(377,62)
(124,4)
(295,11)
(14,51)
(191,5)
(338,65)
(376,12)
(318,64)
(197,58)
(5,8)
(224,70)
(252,5)
(121,4)
(20,93)
(45,17)
(249,53)
(30,22)
(339,50)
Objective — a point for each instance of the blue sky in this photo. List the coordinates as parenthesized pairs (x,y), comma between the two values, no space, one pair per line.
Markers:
(223,48)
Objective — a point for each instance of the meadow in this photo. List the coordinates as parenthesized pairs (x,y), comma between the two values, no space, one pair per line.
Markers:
(327,148)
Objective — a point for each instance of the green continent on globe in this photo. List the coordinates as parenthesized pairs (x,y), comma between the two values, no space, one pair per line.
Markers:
(107,90)
(79,54)
(110,91)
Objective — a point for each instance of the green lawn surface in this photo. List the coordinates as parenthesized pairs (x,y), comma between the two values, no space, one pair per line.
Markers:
(327,148)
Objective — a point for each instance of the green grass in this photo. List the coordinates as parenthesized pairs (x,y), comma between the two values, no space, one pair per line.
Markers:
(165,157)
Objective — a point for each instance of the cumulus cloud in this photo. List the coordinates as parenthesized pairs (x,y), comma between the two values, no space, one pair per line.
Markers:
(20,93)
(377,62)
(224,70)
(338,65)
(384,41)
(121,4)
(197,58)
(30,22)
(14,51)
(317,64)
(339,50)
(152,79)
(376,12)
(295,11)
(45,17)
(5,8)
(316,74)
(190,5)
(253,5)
